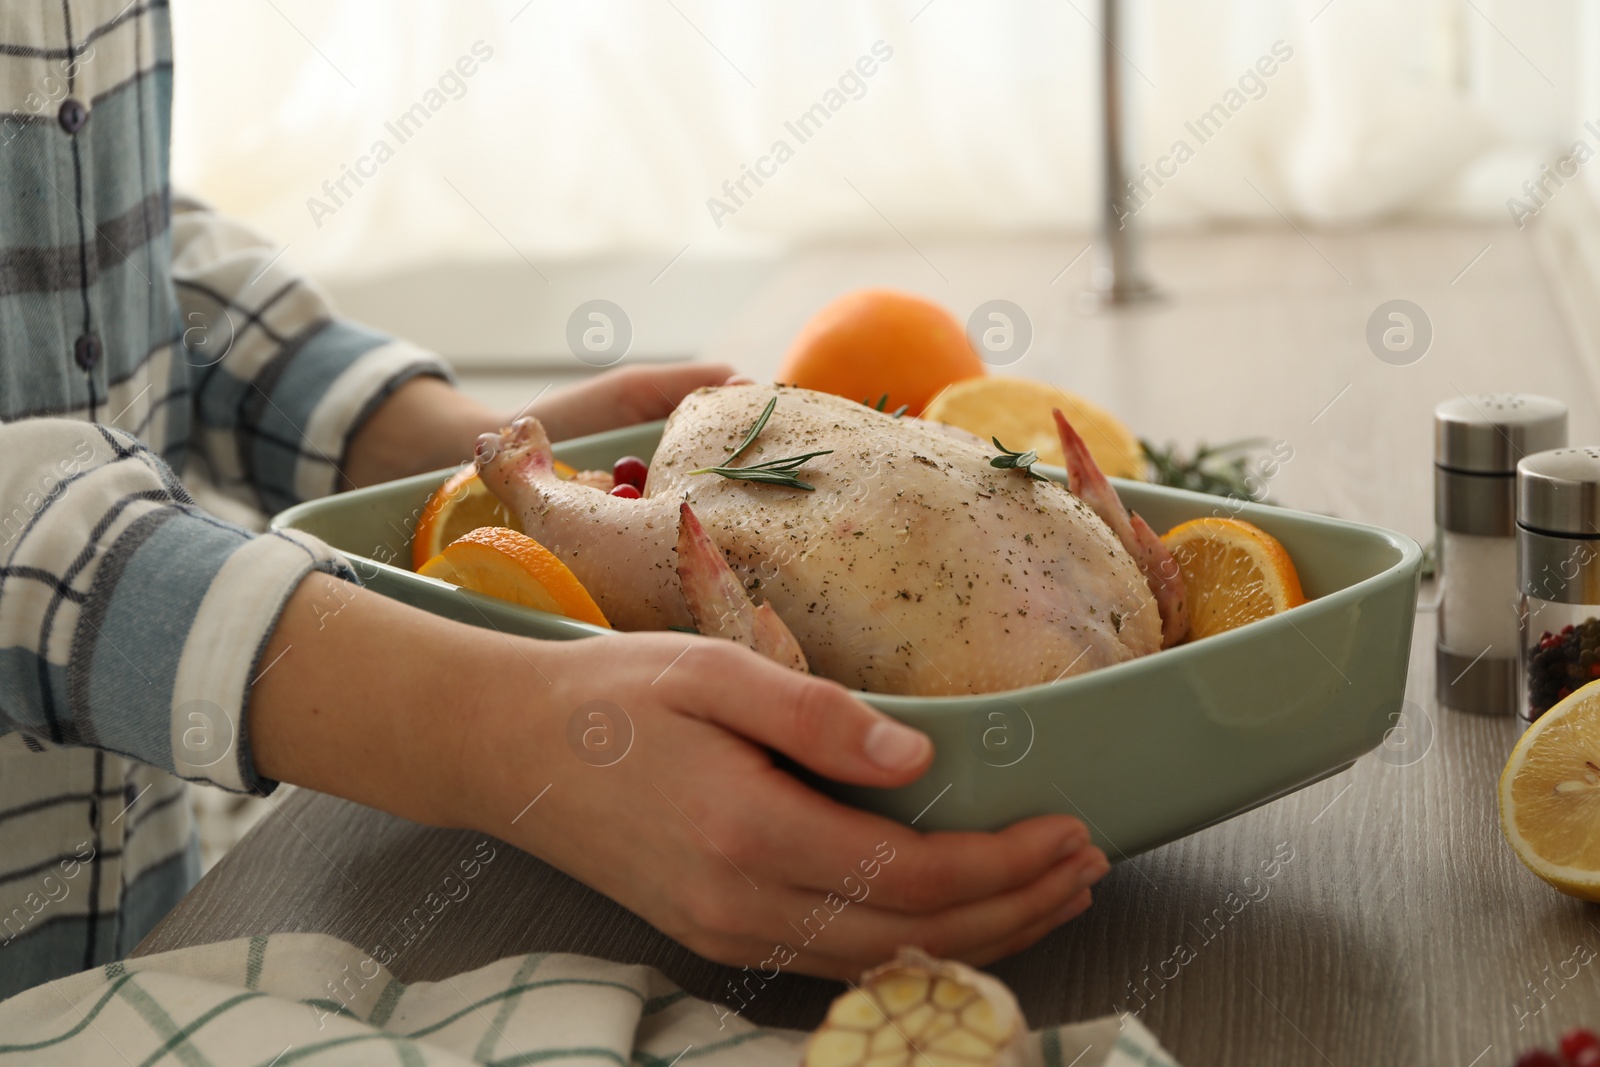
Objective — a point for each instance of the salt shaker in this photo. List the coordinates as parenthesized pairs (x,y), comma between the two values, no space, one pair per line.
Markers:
(1558,570)
(1478,441)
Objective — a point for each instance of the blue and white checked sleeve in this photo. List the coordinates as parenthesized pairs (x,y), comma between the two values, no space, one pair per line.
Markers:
(131,620)
(279,383)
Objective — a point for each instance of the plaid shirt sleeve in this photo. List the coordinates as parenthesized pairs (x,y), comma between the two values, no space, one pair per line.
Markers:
(131,620)
(279,384)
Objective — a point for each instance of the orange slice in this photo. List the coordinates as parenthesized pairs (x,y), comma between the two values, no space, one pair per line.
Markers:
(1550,795)
(1017,410)
(459,506)
(1235,572)
(513,566)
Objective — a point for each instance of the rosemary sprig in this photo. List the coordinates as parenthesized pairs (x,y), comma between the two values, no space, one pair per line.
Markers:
(883,402)
(1022,461)
(755,431)
(1221,470)
(773,471)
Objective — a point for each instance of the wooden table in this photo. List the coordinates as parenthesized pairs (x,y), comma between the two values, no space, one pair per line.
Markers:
(1402,930)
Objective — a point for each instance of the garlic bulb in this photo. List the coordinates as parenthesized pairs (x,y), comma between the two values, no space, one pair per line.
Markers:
(920,1012)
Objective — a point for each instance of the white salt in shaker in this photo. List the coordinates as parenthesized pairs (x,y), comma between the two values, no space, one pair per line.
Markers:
(1478,441)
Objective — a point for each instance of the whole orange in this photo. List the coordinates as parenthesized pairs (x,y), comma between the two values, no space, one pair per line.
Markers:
(876,341)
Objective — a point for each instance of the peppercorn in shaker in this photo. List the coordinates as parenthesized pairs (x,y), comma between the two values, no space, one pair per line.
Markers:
(1558,571)
(1478,441)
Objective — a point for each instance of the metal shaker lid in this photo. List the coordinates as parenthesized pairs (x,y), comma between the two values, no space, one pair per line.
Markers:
(1558,492)
(1490,432)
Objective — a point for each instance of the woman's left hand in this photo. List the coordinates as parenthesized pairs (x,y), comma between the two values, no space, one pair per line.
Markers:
(623,397)
(427,423)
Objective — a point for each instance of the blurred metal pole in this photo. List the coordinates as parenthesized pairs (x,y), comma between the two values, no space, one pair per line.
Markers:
(1117,277)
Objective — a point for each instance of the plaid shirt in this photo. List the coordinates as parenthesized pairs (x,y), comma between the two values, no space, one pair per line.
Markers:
(138,333)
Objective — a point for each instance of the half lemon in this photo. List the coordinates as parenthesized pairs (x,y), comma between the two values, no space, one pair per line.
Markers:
(1550,795)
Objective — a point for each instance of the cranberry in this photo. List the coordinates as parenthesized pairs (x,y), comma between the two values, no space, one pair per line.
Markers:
(626,492)
(1578,1040)
(1538,1057)
(630,470)
(1589,1057)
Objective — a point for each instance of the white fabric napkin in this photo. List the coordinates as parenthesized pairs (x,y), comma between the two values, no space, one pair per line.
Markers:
(308,998)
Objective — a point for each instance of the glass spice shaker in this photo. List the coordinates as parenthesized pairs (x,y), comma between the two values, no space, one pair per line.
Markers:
(1477,443)
(1558,571)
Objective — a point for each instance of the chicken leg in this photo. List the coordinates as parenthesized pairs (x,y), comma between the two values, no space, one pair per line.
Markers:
(718,602)
(1160,570)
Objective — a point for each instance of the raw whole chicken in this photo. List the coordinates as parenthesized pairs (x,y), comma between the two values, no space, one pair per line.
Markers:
(913,566)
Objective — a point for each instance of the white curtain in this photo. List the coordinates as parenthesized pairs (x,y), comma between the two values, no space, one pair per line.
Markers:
(610,126)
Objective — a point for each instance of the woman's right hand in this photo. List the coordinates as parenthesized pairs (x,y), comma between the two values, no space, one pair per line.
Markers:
(649,758)
(681,813)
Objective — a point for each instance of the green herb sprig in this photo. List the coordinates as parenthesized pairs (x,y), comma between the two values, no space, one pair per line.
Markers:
(883,402)
(755,431)
(1021,461)
(772,472)
(1221,470)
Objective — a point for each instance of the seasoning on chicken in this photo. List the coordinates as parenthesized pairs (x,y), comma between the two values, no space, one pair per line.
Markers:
(909,566)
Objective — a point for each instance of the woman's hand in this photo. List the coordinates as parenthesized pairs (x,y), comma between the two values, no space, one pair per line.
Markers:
(622,397)
(428,423)
(640,765)
(648,756)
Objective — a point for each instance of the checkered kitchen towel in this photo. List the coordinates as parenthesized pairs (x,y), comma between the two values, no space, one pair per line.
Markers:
(308,998)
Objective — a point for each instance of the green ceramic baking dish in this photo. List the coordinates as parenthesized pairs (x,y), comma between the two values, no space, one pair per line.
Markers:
(1144,752)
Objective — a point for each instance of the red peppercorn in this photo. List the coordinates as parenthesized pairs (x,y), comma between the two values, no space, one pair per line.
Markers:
(630,470)
(1538,1057)
(626,492)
